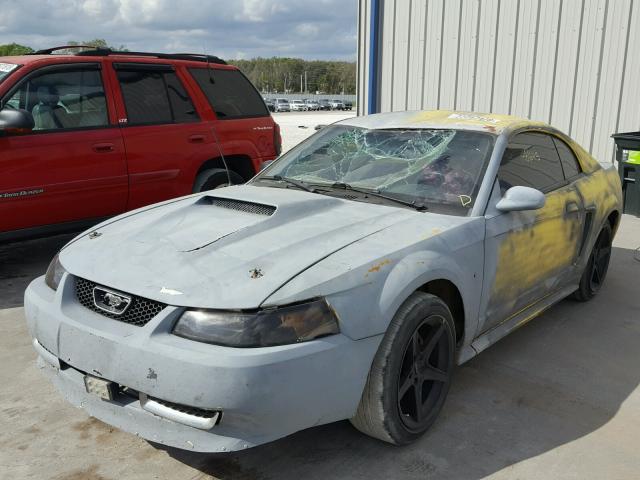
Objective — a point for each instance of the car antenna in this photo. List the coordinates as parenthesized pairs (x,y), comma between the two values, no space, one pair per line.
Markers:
(211,79)
(213,129)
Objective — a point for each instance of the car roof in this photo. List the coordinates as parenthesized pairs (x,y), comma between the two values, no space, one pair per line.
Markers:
(459,120)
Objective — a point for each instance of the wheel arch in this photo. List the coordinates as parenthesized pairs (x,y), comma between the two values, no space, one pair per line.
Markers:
(240,164)
(450,294)
(614,220)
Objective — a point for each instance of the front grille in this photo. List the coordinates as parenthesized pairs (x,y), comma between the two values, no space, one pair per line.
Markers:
(242,206)
(139,312)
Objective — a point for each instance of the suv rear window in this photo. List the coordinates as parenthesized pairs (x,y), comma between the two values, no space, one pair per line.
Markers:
(153,96)
(231,94)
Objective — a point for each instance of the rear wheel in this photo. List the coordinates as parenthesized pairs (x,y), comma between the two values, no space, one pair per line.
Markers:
(411,372)
(596,270)
(215,178)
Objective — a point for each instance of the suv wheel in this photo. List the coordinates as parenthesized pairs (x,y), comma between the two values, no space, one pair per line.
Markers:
(411,372)
(215,178)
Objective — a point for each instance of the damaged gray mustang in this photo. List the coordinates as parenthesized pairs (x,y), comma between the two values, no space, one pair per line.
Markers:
(345,281)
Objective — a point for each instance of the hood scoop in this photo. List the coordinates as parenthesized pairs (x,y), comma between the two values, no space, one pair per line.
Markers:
(238,205)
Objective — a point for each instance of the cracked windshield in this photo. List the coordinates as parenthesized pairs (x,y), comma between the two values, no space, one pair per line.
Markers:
(427,166)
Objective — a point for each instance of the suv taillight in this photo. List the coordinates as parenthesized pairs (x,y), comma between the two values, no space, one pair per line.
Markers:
(277,139)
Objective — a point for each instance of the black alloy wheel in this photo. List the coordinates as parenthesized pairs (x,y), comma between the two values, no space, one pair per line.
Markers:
(411,372)
(599,261)
(424,374)
(597,266)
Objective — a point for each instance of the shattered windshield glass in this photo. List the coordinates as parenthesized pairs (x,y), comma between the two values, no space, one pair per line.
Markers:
(427,165)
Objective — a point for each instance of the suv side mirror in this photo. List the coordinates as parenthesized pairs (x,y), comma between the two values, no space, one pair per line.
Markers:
(15,121)
(521,198)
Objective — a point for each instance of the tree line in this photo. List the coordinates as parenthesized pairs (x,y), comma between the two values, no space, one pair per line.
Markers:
(269,75)
(295,75)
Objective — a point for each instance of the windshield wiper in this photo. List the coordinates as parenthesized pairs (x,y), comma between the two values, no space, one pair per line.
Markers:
(290,181)
(374,193)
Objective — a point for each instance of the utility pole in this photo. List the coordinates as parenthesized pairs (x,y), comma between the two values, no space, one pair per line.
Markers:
(306,87)
(301,83)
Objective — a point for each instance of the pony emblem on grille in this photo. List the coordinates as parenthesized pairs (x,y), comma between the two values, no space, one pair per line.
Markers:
(110,301)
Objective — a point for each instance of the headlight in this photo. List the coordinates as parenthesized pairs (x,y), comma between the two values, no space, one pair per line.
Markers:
(54,273)
(277,326)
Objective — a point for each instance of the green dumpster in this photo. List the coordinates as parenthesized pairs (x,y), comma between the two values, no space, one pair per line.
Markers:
(628,157)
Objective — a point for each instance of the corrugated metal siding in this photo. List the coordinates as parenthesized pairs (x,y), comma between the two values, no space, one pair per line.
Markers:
(572,63)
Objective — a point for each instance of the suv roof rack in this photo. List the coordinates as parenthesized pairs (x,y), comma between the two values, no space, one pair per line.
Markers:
(103,52)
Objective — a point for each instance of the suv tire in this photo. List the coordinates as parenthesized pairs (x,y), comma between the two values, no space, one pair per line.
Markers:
(215,178)
(411,372)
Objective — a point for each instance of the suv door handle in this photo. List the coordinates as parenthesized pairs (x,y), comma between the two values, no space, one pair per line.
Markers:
(196,138)
(572,207)
(103,147)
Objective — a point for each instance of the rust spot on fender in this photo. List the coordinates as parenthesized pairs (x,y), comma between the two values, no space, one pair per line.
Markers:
(378,266)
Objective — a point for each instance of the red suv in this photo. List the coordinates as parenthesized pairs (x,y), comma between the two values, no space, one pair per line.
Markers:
(93,134)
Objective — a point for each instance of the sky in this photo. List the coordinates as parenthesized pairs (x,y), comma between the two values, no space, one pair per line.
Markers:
(238,29)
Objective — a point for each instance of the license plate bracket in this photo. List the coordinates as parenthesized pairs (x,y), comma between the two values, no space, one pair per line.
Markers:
(104,389)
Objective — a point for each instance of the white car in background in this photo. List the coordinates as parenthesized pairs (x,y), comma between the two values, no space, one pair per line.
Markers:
(312,105)
(336,104)
(298,106)
(281,105)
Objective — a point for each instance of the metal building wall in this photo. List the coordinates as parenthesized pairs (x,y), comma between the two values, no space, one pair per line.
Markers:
(572,63)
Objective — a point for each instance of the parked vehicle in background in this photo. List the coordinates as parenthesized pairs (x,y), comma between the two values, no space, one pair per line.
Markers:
(281,105)
(312,105)
(324,104)
(347,105)
(270,105)
(336,105)
(298,106)
(92,135)
(346,281)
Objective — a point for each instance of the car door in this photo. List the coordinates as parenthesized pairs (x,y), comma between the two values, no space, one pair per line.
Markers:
(161,129)
(530,254)
(72,165)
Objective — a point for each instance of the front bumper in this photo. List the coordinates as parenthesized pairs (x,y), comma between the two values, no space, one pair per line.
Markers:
(263,393)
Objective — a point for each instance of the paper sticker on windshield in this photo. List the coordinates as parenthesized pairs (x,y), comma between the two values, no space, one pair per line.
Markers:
(7,67)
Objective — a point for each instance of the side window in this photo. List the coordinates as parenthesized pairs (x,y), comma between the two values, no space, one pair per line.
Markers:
(65,99)
(569,161)
(229,93)
(531,160)
(154,96)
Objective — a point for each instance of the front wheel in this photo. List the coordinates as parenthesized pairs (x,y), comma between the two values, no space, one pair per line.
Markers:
(411,372)
(596,270)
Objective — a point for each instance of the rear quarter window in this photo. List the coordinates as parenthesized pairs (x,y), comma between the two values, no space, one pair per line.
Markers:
(230,93)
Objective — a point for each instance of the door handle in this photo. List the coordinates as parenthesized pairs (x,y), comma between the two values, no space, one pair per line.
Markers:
(196,139)
(103,147)
(572,207)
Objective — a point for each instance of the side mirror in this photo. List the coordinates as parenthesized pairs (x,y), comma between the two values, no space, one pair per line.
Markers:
(266,164)
(521,198)
(15,121)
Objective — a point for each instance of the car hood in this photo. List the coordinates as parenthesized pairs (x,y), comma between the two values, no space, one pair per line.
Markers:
(228,248)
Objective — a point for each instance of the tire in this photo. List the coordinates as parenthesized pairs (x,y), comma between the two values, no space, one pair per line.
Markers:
(388,407)
(215,178)
(595,271)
